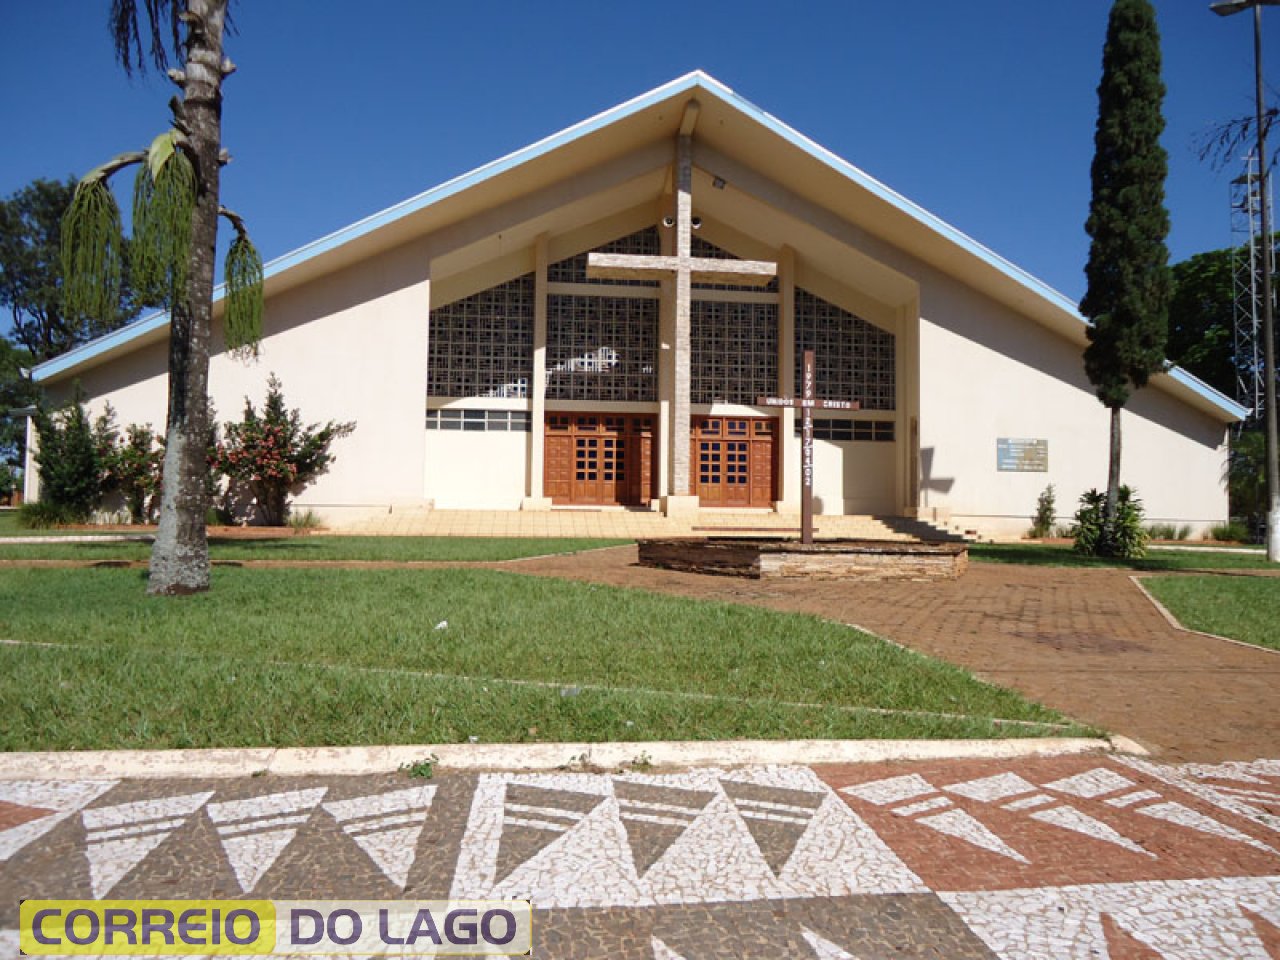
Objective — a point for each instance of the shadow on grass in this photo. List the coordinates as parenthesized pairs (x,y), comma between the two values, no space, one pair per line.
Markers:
(1047,555)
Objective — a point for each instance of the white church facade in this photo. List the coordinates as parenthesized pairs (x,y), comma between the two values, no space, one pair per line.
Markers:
(593,322)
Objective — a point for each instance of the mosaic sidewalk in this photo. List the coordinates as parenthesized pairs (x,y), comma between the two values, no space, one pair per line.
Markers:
(1070,857)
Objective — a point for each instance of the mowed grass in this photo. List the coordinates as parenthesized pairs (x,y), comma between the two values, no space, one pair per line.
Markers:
(1242,608)
(1061,555)
(324,548)
(305,657)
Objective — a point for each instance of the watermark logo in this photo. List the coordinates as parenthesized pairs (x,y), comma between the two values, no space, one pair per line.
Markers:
(436,928)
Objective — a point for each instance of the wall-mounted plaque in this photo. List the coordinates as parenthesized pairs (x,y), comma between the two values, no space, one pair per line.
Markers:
(1022,455)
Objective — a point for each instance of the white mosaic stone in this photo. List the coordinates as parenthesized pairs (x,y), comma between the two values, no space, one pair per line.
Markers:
(824,949)
(891,789)
(1182,919)
(1069,818)
(924,806)
(662,952)
(963,826)
(120,837)
(254,832)
(1091,784)
(1028,803)
(990,789)
(1190,779)
(1129,799)
(62,797)
(1184,816)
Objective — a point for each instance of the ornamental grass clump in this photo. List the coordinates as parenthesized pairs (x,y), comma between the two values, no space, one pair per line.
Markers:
(1124,538)
(272,454)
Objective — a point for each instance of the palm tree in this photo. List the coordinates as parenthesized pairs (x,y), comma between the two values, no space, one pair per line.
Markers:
(176,210)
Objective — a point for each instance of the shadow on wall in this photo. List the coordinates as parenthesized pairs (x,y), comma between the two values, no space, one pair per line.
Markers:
(928,482)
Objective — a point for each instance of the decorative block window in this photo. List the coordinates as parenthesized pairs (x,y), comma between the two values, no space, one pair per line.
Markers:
(734,351)
(602,348)
(482,345)
(704,248)
(854,359)
(478,420)
(644,242)
(875,431)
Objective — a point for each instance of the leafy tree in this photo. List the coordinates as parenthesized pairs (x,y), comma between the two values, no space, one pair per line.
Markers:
(16,392)
(175,228)
(1247,478)
(70,468)
(1202,318)
(1128,277)
(273,453)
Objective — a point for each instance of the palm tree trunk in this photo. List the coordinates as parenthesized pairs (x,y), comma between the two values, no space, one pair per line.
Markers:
(180,558)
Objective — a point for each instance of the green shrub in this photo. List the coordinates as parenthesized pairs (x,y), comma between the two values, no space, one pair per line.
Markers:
(1042,522)
(1168,531)
(1233,531)
(70,469)
(43,515)
(131,465)
(1125,539)
(304,520)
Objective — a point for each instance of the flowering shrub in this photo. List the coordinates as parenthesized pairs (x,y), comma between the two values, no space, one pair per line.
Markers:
(273,454)
(131,465)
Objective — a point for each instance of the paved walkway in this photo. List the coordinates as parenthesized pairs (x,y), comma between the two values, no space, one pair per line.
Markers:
(1084,641)
(1057,858)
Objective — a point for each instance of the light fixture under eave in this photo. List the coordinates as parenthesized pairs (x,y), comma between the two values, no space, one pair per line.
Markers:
(718,182)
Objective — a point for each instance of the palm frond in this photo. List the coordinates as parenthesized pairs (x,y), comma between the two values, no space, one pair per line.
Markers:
(92,247)
(242,320)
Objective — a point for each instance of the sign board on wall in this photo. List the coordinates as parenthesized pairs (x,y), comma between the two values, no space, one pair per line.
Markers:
(1022,455)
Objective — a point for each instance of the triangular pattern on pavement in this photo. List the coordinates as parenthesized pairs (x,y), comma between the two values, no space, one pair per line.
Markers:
(825,949)
(1069,818)
(56,800)
(964,826)
(386,826)
(1123,945)
(534,818)
(119,837)
(254,832)
(776,817)
(1183,816)
(655,816)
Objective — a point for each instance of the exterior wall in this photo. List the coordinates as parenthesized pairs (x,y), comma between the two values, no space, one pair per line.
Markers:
(348,346)
(987,373)
(853,477)
(476,471)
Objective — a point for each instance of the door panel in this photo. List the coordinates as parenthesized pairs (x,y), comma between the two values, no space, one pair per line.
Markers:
(734,461)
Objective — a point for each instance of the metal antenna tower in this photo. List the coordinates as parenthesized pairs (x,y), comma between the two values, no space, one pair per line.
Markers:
(1248,248)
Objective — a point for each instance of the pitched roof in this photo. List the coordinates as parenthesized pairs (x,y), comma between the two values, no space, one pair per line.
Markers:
(727,118)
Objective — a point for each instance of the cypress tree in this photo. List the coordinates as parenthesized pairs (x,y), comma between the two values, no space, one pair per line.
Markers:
(1129,287)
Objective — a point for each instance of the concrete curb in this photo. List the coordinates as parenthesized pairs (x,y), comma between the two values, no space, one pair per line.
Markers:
(331,761)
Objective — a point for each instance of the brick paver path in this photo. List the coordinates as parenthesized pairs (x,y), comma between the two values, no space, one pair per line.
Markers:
(1086,642)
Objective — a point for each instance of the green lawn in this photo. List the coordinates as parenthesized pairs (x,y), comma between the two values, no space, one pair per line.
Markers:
(1242,608)
(1054,555)
(298,657)
(323,548)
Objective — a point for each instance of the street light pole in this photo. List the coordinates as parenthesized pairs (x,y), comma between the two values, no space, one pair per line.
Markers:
(1226,8)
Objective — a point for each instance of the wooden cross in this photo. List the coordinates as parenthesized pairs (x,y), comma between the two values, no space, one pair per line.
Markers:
(685,269)
(807,403)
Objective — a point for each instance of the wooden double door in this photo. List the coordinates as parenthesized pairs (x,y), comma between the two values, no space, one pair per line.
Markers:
(600,459)
(734,461)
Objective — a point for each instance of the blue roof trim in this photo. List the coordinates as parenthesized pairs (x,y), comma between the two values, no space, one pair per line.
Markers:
(690,81)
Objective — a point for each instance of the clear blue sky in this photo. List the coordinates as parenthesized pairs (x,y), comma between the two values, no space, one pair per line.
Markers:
(981,111)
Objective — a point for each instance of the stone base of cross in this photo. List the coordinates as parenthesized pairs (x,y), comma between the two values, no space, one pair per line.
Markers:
(807,403)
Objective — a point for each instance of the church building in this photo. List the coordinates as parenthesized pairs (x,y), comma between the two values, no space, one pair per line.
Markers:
(616,316)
